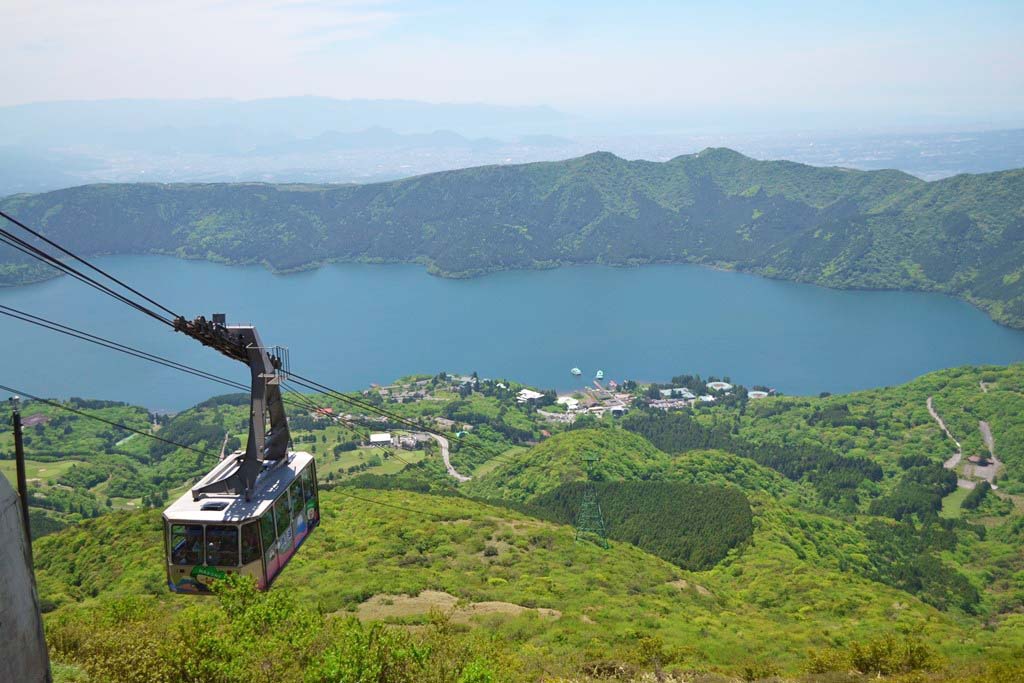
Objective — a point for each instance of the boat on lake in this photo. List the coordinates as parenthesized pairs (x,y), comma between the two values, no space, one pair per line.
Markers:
(576,372)
(599,375)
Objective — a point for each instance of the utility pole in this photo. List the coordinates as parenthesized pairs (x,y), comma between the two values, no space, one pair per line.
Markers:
(590,521)
(19,456)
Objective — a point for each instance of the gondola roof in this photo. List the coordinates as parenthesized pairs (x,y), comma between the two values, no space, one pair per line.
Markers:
(228,508)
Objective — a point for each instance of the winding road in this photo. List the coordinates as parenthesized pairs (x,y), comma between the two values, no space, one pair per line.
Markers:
(986,472)
(955,459)
(443,443)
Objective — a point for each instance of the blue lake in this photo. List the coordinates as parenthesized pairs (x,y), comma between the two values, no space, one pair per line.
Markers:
(350,325)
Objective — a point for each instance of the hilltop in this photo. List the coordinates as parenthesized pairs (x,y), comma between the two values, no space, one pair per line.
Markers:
(830,226)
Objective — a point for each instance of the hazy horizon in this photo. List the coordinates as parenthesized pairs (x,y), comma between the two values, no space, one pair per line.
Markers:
(649,67)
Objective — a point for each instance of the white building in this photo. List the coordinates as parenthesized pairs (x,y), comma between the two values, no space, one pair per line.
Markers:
(380,439)
(707,398)
(528,395)
(757,394)
(719,386)
(675,392)
(571,404)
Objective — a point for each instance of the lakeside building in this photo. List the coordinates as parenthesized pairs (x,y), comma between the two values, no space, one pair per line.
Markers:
(757,394)
(706,398)
(669,403)
(526,395)
(571,404)
(411,442)
(380,439)
(678,392)
(559,418)
(719,386)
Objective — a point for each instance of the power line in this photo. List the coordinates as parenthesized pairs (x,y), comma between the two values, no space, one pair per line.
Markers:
(114,346)
(102,272)
(355,427)
(35,252)
(131,351)
(39,254)
(299,400)
(54,404)
(366,405)
(104,420)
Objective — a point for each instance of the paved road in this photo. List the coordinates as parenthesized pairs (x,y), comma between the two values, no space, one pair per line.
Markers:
(443,443)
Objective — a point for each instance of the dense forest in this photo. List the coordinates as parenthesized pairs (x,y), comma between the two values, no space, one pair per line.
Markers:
(835,477)
(835,227)
(690,526)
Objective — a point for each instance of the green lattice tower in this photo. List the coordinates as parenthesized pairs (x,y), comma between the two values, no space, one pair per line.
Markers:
(590,521)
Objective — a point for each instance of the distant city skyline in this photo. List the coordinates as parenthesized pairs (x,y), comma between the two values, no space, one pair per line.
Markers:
(647,66)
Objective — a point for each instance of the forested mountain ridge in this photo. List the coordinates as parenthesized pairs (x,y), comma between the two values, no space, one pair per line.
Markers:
(831,226)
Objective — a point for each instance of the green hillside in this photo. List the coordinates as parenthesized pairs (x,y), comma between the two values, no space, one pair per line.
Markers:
(831,226)
(561,460)
(769,605)
(787,534)
(693,527)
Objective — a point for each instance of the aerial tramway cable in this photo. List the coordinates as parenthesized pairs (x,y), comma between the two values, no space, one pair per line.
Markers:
(78,258)
(138,353)
(35,252)
(104,420)
(24,246)
(111,423)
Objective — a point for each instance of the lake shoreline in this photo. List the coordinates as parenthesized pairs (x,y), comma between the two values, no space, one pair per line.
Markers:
(989,307)
(351,324)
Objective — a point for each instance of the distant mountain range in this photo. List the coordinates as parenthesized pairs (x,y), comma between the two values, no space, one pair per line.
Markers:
(51,145)
(830,226)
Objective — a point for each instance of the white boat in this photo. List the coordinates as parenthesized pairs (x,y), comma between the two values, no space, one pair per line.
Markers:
(576,372)
(599,375)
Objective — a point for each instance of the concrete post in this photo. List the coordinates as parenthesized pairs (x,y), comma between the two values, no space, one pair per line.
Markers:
(23,655)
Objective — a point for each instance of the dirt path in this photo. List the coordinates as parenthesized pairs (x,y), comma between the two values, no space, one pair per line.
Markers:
(384,606)
(984,387)
(954,460)
(986,472)
(443,443)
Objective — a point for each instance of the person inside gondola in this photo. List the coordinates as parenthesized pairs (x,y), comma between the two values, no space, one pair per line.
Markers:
(187,544)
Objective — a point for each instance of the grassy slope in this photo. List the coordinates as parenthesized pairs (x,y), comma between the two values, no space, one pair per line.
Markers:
(836,227)
(904,426)
(799,584)
(560,459)
(606,597)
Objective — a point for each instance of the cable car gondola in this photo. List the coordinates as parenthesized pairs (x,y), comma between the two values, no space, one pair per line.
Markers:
(253,510)
(209,538)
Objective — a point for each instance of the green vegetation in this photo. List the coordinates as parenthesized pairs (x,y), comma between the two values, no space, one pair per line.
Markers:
(835,227)
(690,526)
(787,584)
(790,535)
(621,456)
(836,478)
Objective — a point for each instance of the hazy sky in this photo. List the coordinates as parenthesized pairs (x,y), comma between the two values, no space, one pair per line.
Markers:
(907,60)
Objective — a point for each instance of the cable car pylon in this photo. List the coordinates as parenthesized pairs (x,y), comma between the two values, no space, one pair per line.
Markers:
(590,522)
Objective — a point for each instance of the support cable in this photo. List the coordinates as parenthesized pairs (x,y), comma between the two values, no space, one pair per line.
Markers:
(35,252)
(104,420)
(78,258)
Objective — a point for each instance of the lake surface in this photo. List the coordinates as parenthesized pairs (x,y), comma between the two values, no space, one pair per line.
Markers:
(350,325)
